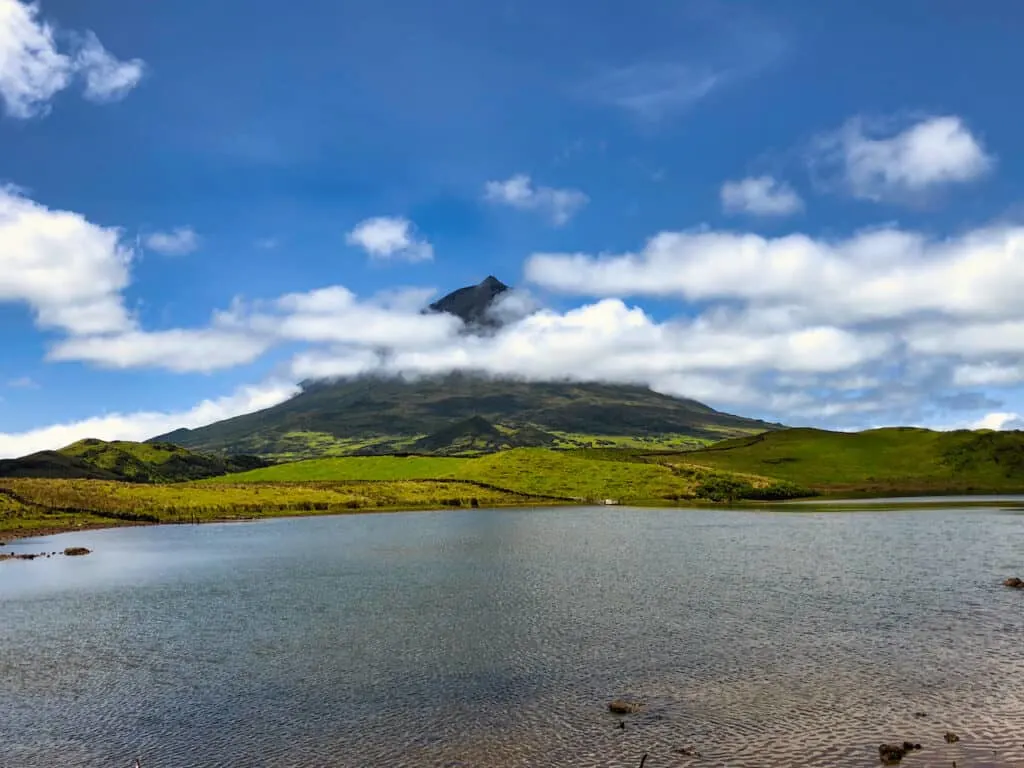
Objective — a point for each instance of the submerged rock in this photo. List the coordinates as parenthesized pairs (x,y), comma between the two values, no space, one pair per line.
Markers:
(891,754)
(1014,583)
(77,551)
(623,707)
(21,557)
(950,737)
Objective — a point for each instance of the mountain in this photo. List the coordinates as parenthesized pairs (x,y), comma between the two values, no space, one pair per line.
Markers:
(463,413)
(369,415)
(473,303)
(157,462)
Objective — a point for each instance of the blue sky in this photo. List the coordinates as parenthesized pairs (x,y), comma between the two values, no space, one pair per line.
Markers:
(804,212)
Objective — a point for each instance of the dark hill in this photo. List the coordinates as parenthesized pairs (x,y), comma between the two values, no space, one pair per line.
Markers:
(390,414)
(157,462)
(53,464)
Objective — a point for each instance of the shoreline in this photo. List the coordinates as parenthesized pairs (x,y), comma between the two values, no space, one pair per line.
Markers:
(808,505)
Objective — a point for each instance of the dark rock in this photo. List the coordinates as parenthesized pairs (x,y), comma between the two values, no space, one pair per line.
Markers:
(920,714)
(950,737)
(909,746)
(890,754)
(623,707)
(21,557)
(687,751)
(621,725)
(1014,583)
(77,551)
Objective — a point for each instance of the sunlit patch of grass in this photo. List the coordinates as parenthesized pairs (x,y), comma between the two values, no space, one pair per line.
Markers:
(896,461)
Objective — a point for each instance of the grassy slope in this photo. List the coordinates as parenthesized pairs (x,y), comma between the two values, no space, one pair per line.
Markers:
(526,470)
(28,505)
(898,460)
(149,462)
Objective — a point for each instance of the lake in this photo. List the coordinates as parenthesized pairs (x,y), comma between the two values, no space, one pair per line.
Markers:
(497,638)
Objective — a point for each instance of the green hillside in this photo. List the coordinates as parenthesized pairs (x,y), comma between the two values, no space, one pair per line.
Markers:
(458,412)
(895,460)
(124,460)
(617,475)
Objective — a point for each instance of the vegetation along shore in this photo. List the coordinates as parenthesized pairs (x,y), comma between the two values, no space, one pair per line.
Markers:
(124,483)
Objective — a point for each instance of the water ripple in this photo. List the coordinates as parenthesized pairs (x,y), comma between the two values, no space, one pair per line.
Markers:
(497,638)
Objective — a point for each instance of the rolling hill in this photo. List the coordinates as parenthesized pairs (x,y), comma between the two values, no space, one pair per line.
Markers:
(93,459)
(897,460)
(463,413)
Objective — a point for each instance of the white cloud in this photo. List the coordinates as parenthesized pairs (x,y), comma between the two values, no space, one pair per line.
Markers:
(609,341)
(760,196)
(176,242)
(70,271)
(999,421)
(873,275)
(385,237)
(558,205)
(106,78)
(33,70)
(934,152)
(179,350)
(143,425)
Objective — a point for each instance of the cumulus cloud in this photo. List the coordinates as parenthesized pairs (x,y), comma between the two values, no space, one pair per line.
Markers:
(760,196)
(885,324)
(610,341)
(387,238)
(68,270)
(176,242)
(33,70)
(558,205)
(932,153)
(873,275)
(142,425)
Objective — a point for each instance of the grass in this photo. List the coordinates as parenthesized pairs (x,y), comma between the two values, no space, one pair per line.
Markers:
(897,461)
(671,442)
(30,505)
(585,475)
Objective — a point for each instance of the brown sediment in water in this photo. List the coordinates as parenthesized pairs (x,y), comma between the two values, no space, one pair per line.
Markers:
(56,530)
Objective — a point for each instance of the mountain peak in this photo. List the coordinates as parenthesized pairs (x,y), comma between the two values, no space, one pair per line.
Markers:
(472,303)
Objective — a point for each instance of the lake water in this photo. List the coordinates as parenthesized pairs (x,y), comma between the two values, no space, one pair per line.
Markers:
(496,638)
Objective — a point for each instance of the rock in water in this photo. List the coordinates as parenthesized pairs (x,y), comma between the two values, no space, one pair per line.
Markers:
(891,754)
(623,707)
(1014,583)
(950,737)
(77,551)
